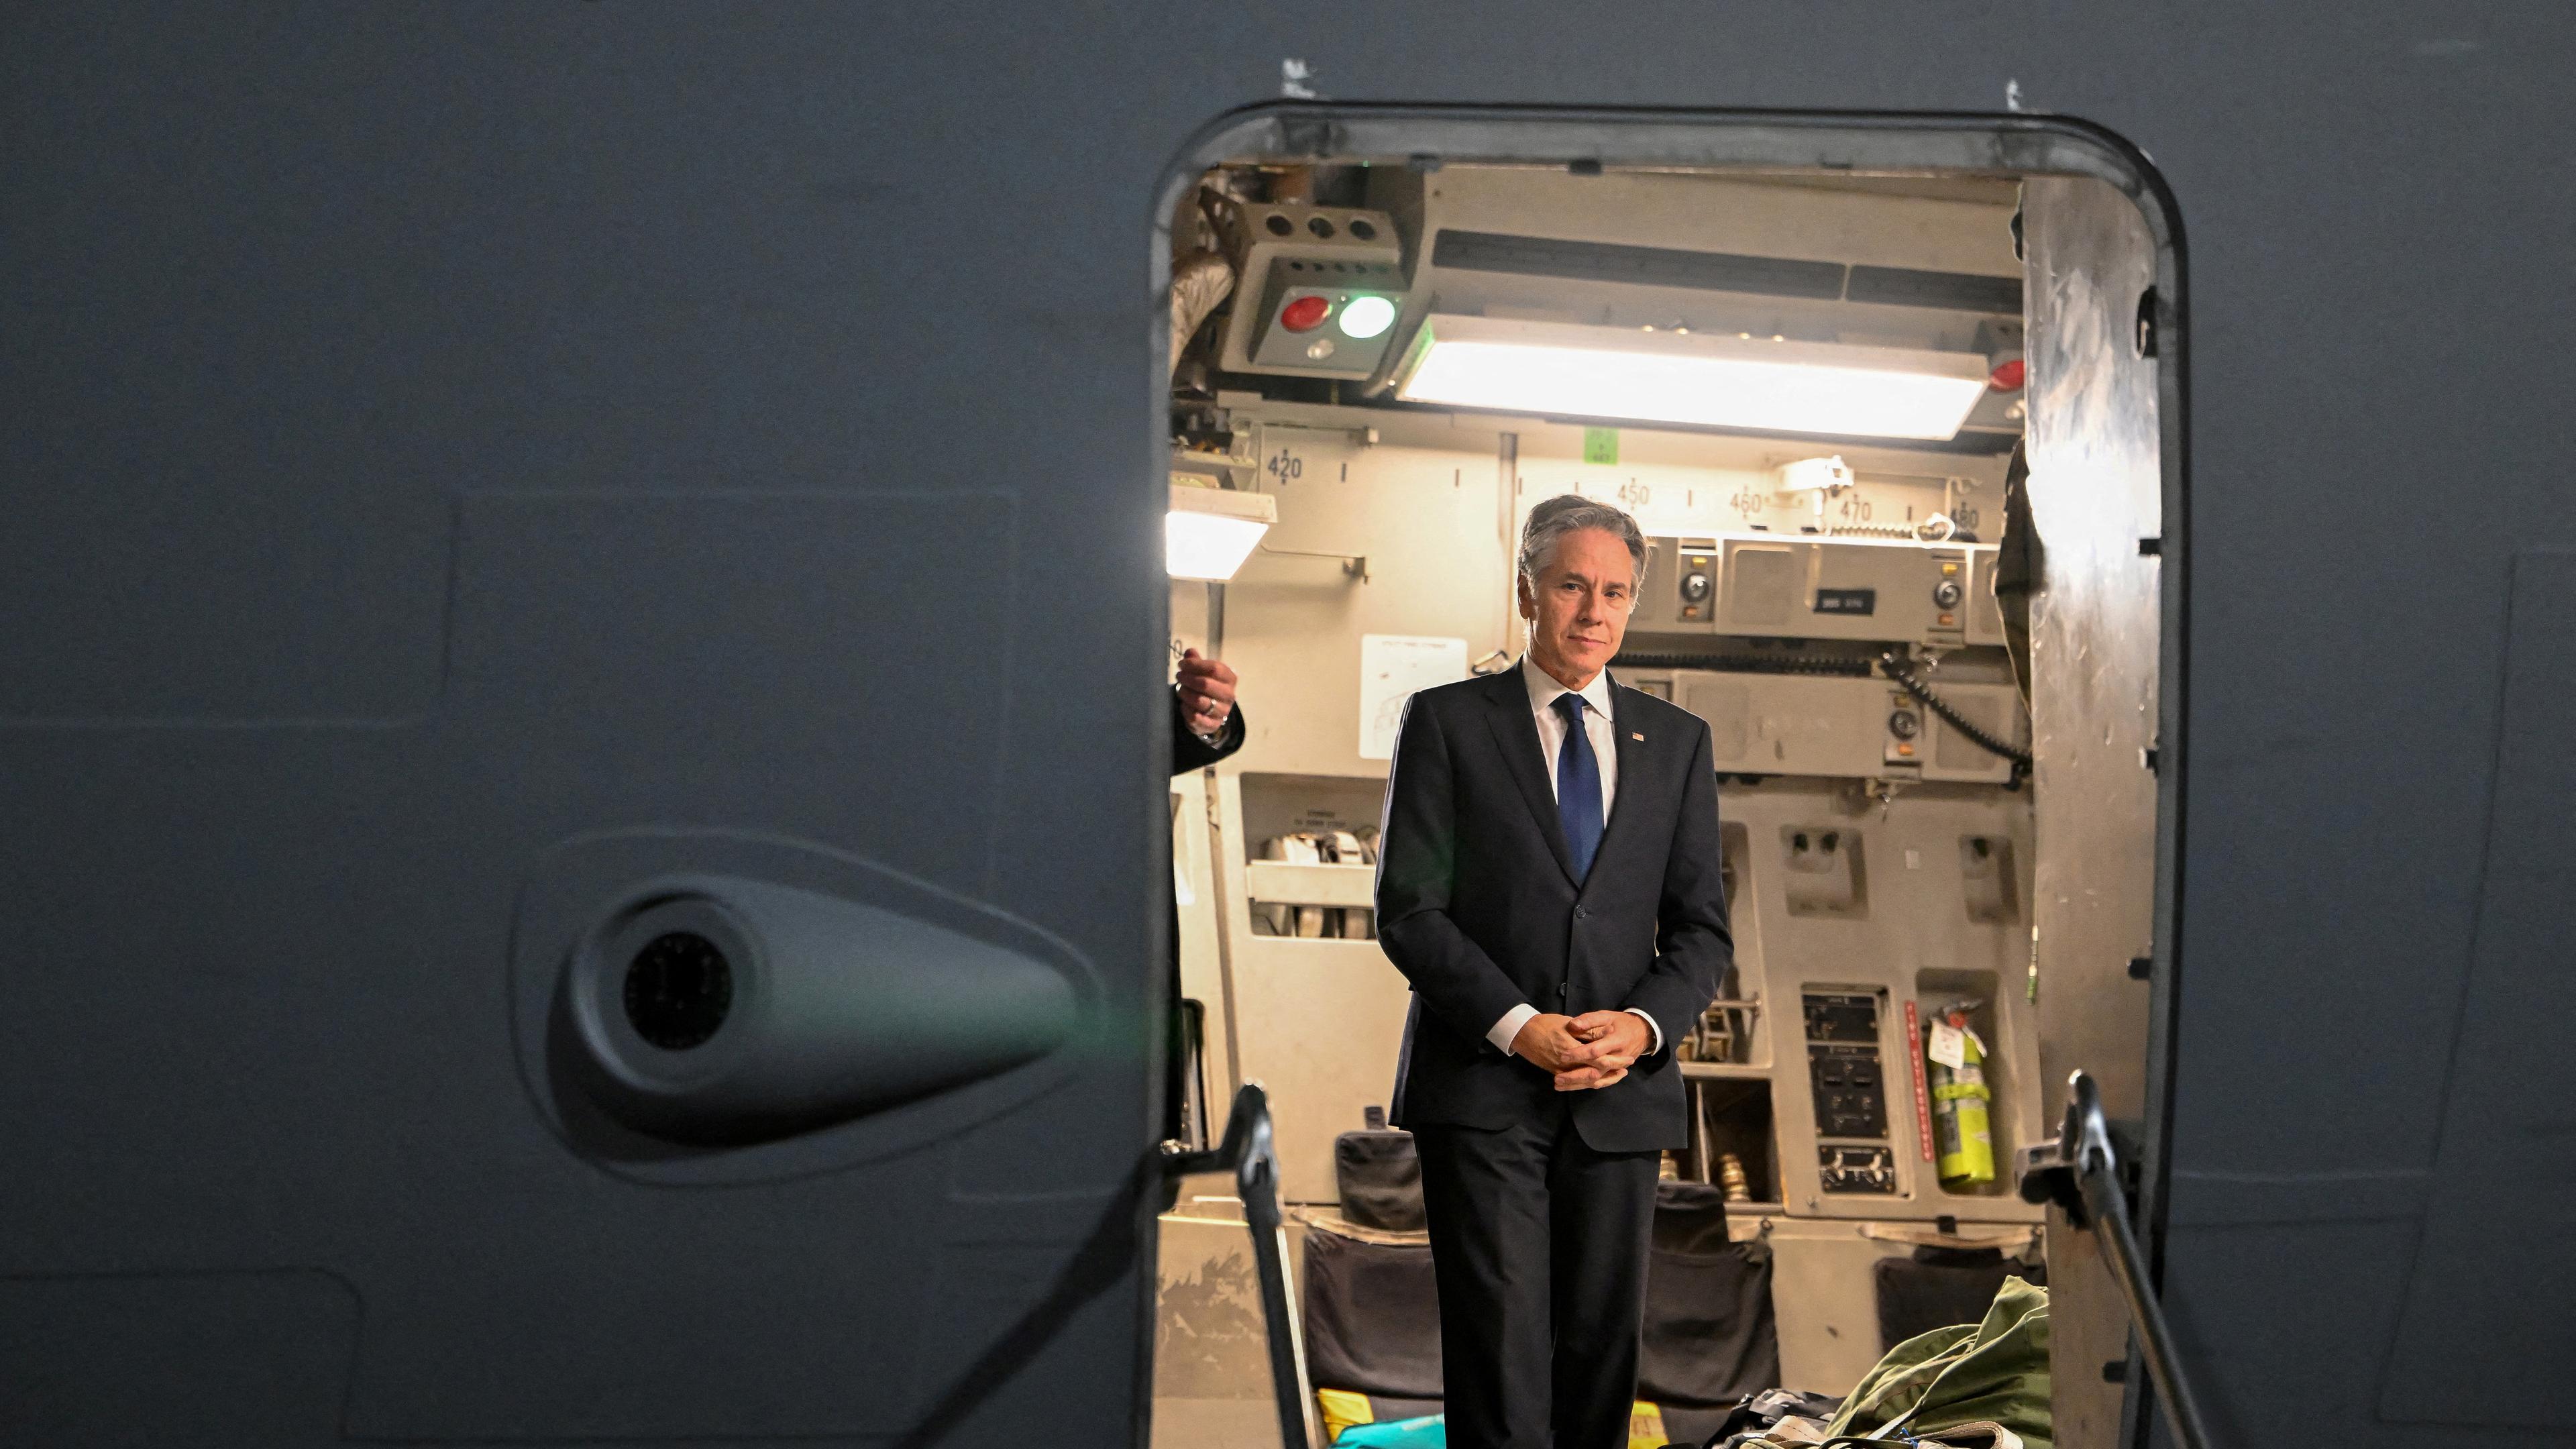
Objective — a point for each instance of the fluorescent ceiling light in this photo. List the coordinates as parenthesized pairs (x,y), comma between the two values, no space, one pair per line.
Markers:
(1567,369)
(1211,531)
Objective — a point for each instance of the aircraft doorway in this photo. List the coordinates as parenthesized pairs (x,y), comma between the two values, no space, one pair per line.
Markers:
(1930,614)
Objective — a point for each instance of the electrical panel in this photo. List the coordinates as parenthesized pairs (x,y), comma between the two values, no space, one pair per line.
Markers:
(1780,586)
(1847,1017)
(1851,1101)
(1845,725)
(1856,1169)
(1849,1089)
(1318,290)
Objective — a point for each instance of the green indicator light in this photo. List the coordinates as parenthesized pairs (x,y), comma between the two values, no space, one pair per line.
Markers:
(1366,317)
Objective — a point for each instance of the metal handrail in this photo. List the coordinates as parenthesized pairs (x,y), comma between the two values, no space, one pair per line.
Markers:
(1251,1155)
(2080,1172)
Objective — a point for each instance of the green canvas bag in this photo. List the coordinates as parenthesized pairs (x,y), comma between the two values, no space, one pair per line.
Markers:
(1994,1372)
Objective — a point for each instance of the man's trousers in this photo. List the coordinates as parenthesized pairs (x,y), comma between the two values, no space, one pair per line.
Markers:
(1538,1244)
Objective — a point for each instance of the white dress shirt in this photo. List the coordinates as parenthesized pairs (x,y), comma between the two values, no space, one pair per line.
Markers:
(1544,692)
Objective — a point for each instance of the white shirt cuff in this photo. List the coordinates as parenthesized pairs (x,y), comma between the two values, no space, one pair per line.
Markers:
(1507,1030)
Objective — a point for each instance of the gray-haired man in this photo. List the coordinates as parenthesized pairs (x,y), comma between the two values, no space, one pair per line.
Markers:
(1548,882)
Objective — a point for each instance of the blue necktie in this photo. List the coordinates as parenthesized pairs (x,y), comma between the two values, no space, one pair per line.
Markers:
(1578,787)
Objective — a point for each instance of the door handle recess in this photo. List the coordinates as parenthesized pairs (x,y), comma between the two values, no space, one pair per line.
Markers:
(722,1011)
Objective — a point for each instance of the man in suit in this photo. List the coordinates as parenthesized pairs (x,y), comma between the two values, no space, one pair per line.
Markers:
(1548,882)
(1206,727)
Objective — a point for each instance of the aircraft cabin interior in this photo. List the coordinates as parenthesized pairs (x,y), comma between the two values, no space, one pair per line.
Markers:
(1930,685)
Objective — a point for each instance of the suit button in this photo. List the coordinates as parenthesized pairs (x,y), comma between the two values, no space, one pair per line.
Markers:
(1581,914)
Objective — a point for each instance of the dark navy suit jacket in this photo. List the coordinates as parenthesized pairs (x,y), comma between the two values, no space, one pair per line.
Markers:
(1478,905)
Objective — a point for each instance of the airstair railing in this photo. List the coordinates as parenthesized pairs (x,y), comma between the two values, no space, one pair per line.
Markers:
(1249,1153)
(2080,1172)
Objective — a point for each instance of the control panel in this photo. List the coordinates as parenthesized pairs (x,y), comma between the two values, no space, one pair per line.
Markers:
(1787,586)
(1843,725)
(1856,1169)
(1320,292)
(1843,1016)
(1850,1100)
(1849,1089)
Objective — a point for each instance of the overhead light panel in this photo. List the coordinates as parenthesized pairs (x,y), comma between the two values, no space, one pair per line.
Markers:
(1567,369)
(1209,532)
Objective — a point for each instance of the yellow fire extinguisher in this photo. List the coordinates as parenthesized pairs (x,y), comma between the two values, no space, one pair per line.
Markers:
(1962,1128)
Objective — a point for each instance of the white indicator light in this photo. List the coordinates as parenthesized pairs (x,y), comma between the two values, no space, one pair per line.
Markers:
(1366,317)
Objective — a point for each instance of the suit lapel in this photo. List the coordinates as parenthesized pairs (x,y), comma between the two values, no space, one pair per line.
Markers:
(1632,764)
(1516,736)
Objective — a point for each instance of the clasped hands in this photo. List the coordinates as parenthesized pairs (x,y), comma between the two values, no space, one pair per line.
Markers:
(1584,1052)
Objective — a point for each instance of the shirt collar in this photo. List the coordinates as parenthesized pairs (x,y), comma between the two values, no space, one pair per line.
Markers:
(1543,689)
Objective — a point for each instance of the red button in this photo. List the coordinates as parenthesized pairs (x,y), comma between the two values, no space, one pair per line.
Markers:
(1305,314)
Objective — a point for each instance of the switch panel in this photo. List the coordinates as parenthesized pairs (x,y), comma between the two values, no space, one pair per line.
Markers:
(1843,1016)
(1856,1169)
(1795,586)
(1321,290)
(1842,726)
(1844,1077)
(1851,1097)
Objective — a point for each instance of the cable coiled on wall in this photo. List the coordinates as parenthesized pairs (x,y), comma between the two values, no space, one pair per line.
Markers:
(1894,667)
